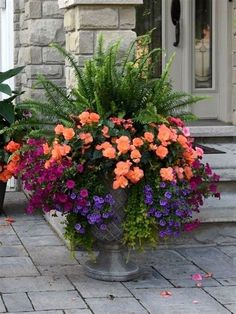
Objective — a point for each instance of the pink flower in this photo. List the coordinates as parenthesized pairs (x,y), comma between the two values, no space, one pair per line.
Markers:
(197,277)
(186,131)
(70,184)
(188,227)
(80,168)
(199,151)
(83,193)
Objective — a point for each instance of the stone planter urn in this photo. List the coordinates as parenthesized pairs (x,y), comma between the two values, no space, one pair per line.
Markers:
(111,263)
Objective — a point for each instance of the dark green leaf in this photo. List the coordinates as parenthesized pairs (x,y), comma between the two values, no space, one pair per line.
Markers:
(6,89)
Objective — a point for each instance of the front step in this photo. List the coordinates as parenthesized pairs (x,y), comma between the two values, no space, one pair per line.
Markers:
(222,138)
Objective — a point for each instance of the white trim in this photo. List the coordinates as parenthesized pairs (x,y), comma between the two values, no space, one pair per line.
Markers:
(69,3)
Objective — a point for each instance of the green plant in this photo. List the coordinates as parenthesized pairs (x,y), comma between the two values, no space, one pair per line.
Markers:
(7,108)
(111,85)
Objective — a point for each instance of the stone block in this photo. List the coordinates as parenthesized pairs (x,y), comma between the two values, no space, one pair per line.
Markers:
(127,17)
(96,17)
(37,241)
(51,300)
(51,55)
(234,75)
(51,9)
(60,270)
(225,295)
(78,312)
(24,38)
(46,31)
(125,37)
(117,306)
(51,71)
(17,302)
(17,267)
(33,10)
(39,283)
(8,251)
(90,288)
(81,42)
(35,55)
(2,307)
(181,301)
(69,20)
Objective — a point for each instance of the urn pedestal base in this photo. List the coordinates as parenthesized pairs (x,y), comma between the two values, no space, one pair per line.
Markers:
(111,265)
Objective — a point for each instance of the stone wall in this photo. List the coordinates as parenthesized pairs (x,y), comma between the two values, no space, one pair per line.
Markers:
(85,20)
(37,23)
(234,61)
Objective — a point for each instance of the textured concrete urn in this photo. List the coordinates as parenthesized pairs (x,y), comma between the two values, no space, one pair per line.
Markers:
(111,263)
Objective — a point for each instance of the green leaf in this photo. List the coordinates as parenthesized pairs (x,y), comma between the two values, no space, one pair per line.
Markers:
(6,89)
(10,73)
(7,110)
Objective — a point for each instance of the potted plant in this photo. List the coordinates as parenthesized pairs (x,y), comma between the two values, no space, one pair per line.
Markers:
(7,117)
(115,157)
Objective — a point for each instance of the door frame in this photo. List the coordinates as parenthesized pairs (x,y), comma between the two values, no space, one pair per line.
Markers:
(184,53)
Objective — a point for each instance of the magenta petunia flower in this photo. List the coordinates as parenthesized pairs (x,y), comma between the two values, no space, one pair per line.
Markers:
(70,184)
(83,193)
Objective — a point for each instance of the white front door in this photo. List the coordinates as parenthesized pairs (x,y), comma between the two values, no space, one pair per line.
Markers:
(203,59)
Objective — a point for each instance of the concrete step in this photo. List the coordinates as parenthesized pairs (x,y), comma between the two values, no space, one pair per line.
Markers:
(213,131)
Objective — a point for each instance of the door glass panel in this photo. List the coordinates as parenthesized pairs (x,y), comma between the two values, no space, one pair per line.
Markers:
(148,17)
(203,44)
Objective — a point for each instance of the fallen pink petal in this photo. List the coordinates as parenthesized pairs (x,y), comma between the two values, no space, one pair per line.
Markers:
(208,275)
(197,277)
(165,294)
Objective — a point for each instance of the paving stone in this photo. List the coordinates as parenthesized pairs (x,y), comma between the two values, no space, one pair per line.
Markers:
(231,307)
(159,257)
(228,281)
(46,240)
(6,229)
(78,311)
(116,306)
(33,228)
(51,270)
(51,255)
(180,302)
(148,279)
(90,288)
(2,307)
(39,312)
(180,271)
(211,260)
(225,295)
(185,283)
(229,250)
(30,284)
(17,267)
(56,300)
(17,302)
(7,251)
(9,240)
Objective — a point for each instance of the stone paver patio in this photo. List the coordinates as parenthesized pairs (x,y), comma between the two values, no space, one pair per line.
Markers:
(39,275)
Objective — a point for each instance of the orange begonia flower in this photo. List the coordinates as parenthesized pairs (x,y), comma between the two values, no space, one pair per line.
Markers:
(15,157)
(84,117)
(188,172)
(68,133)
(135,155)
(88,118)
(135,175)
(167,174)
(179,172)
(12,146)
(182,140)
(104,145)
(164,133)
(122,168)
(190,155)
(5,175)
(149,137)
(123,144)
(105,131)
(94,117)
(120,182)
(60,150)
(137,142)
(109,152)
(153,146)
(161,151)
(46,149)
(86,137)
(59,129)
(11,167)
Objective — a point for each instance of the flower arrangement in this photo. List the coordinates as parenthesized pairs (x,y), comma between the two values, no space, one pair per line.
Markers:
(156,164)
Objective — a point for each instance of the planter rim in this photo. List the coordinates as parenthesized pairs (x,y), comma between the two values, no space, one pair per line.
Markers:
(63,4)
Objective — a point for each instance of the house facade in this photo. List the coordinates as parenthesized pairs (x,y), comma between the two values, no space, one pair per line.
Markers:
(201,34)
